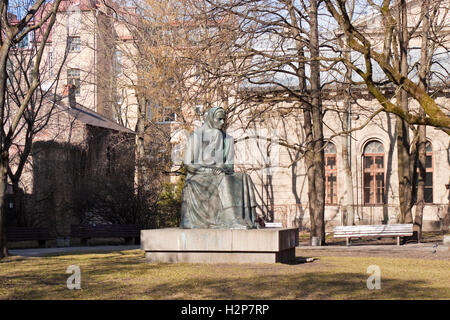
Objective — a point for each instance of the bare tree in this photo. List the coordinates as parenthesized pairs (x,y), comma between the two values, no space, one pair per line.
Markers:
(277,45)
(37,16)
(431,39)
(387,59)
(391,54)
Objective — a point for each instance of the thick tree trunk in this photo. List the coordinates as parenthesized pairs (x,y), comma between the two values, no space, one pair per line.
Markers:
(3,184)
(404,172)
(347,198)
(312,125)
(3,153)
(315,158)
(405,159)
(422,140)
(417,228)
(140,147)
(348,210)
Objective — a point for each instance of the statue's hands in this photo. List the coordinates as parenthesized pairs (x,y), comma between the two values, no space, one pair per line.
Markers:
(222,168)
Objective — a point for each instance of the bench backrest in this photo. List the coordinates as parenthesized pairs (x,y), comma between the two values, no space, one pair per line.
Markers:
(374,230)
(27,234)
(105,230)
(273,225)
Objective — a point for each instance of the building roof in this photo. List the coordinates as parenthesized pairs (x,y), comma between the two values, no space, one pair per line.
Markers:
(88,116)
(84,5)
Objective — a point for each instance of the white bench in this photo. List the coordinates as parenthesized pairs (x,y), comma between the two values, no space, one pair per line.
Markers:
(373,231)
(273,225)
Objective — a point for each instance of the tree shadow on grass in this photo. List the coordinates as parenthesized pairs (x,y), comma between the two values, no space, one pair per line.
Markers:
(302,286)
(122,276)
(310,285)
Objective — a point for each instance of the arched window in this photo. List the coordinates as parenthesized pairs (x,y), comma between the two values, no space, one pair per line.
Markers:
(330,174)
(373,173)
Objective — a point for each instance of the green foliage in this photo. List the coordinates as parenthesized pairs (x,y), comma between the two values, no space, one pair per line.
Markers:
(169,204)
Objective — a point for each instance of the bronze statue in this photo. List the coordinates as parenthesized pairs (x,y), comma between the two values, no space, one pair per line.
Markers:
(215,196)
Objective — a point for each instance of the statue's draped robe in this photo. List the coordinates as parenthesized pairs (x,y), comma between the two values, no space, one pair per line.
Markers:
(215,200)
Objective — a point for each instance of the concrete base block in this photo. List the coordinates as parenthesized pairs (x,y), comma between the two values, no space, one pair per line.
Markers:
(269,245)
(447,240)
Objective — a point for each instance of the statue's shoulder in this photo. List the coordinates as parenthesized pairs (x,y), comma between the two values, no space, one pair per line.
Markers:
(228,136)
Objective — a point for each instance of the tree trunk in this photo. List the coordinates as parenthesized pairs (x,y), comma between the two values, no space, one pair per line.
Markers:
(4,157)
(417,227)
(3,184)
(315,158)
(423,71)
(140,145)
(347,201)
(312,124)
(404,173)
(403,142)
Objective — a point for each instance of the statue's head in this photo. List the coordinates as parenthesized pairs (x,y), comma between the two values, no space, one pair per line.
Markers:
(216,118)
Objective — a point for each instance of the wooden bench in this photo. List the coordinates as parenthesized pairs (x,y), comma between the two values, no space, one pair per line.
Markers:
(86,232)
(28,234)
(373,231)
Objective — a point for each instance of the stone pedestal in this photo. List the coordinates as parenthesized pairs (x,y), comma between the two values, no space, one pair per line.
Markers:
(447,240)
(220,245)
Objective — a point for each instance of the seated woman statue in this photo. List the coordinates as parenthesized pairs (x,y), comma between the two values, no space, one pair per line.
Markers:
(214,196)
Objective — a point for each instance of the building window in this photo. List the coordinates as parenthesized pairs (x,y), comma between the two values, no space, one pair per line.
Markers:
(73,77)
(117,112)
(168,115)
(50,64)
(428,189)
(74,44)
(118,62)
(429,174)
(24,42)
(330,174)
(160,114)
(373,173)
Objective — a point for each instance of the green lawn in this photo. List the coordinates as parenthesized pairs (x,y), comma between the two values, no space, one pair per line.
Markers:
(125,275)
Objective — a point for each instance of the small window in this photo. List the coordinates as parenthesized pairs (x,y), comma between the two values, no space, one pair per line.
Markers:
(24,42)
(168,115)
(160,114)
(117,112)
(330,174)
(74,44)
(50,64)
(118,62)
(73,77)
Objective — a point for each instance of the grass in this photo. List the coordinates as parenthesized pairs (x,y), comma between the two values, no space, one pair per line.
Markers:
(126,275)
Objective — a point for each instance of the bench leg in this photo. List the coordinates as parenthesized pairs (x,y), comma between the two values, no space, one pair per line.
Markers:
(41,243)
(398,241)
(347,242)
